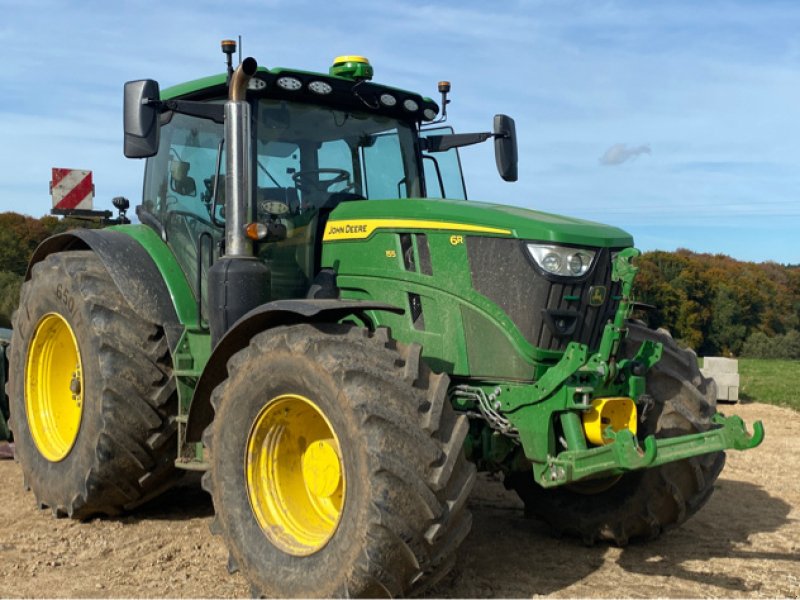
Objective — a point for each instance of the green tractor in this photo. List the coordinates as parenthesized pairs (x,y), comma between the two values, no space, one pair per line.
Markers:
(310,313)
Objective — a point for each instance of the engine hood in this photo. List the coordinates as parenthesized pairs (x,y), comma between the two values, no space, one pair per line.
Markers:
(358,219)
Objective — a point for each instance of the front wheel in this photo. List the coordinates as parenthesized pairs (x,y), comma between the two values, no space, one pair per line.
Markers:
(337,465)
(642,504)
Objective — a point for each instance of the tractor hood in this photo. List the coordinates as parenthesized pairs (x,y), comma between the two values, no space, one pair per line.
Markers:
(353,220)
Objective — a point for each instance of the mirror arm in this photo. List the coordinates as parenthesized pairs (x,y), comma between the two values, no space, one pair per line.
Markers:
(442,143)
(214,112)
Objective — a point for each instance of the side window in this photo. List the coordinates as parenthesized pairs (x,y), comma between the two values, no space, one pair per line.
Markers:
(385,175)
(178,189)
(443,175)
(181,176)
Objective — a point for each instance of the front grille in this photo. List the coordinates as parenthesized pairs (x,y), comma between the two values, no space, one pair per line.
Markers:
(539,305)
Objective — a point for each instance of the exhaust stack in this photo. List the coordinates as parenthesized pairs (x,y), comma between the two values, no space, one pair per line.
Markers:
(238,282)
(238,176)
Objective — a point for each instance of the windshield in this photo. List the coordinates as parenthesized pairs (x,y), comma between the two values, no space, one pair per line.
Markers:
(308,154)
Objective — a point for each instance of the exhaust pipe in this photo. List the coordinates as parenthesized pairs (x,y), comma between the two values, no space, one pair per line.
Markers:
(237,282)
(240,79)
(238,176)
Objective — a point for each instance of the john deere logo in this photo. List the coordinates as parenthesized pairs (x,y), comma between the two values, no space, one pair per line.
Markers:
(597,295)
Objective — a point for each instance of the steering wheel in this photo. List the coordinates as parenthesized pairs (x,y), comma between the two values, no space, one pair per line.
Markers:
(311,180)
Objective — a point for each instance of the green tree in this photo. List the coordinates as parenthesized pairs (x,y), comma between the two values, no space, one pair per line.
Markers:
(727,331)
(10,284)
(715,303)
(760,345)
(19,237)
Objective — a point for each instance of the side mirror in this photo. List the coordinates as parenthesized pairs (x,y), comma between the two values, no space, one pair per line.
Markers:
(141,118)
(505,147)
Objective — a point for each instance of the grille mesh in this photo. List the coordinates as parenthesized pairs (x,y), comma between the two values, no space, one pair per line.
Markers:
(503,271)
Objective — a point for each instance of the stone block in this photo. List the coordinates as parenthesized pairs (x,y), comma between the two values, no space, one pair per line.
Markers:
(724,379)
(719,364)
(725,372)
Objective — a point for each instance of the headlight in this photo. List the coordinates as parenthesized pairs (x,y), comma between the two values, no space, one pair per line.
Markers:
(410,105)
(320,87)
(560,260)
(289,83)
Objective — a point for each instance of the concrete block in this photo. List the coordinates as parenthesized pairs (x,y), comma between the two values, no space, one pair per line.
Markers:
(724,379)
(725,372)
(727,393)
(719,364)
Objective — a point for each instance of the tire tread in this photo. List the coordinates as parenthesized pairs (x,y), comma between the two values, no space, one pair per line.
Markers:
(416,452)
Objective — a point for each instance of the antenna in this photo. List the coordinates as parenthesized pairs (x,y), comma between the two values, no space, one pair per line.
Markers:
(240,49)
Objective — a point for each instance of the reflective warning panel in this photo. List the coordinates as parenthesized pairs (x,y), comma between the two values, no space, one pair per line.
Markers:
(72,189)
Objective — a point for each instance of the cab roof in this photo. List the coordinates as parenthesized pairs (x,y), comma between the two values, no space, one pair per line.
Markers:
(291,84)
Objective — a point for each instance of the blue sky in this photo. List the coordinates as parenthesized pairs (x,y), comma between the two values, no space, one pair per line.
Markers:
(677,121)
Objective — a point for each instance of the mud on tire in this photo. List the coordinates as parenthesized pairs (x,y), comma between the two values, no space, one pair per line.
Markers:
(642,504)
(124,450)
(401,446)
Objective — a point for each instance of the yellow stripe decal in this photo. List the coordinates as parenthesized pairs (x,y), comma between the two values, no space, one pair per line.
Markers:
(360,229)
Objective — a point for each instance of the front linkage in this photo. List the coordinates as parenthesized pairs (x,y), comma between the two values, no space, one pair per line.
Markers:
(597,396)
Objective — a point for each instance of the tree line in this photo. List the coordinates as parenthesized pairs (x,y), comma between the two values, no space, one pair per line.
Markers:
(19,236)
(720,306)
(712,303)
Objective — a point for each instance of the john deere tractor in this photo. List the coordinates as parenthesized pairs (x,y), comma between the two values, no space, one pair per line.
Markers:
(310,312)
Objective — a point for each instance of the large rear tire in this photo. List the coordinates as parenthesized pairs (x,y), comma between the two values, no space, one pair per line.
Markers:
(337,465)
(642,504)
(92,392)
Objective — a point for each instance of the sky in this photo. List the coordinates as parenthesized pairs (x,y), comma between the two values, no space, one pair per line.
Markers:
(676,121)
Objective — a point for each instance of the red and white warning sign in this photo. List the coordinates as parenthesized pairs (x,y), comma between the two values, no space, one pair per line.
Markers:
(72,189)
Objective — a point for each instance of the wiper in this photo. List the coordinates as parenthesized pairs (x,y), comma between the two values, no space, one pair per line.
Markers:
(263,168)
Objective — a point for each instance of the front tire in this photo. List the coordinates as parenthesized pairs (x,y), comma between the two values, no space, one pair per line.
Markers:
(337,465)
(642,504)
(92,392)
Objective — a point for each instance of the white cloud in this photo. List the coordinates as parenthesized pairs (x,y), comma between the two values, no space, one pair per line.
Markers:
(620,153)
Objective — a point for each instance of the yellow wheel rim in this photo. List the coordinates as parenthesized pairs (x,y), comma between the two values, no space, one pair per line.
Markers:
(295,476)
(54,387)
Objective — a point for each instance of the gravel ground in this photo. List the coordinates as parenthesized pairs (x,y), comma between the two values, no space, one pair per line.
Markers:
(745,542)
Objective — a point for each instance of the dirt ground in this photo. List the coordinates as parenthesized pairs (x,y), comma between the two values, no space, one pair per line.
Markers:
(745,542)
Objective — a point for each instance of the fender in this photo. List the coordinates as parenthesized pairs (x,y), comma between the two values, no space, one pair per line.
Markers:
(266,316)
(130,266)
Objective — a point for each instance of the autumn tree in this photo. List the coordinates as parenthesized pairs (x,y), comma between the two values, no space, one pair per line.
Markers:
(19,237)
(714,303)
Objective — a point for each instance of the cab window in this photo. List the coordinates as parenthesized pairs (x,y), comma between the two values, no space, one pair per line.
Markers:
(443,175)
(178,188)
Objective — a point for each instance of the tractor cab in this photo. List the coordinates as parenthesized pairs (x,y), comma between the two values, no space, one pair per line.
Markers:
(316,140)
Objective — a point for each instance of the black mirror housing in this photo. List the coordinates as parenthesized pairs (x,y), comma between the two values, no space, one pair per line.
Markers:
(505,147)
(141,119)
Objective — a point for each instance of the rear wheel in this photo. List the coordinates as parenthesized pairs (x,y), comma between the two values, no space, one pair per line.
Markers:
(91,392)
(642,504)
(337,465)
